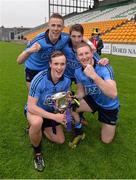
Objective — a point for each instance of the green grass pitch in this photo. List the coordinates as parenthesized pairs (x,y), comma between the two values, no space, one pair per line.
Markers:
(91,159)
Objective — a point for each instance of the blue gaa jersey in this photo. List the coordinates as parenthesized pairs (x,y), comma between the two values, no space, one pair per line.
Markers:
(40,60)
(105,72)
(43,88)
(72,60)
(96,57)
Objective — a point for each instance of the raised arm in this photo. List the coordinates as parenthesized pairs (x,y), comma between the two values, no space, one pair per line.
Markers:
(89,43)
(25,54)
(108,87)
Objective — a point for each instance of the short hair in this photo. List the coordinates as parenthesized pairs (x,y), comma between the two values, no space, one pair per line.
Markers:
(83,44)
(57,54)
(77,27)
(56,15)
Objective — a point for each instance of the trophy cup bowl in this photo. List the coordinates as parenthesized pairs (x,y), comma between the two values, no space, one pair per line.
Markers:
(60,100)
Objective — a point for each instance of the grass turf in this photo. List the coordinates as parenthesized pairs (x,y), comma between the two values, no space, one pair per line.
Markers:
(91,159)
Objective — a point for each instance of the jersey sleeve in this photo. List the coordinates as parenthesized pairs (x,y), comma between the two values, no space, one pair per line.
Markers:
(36,87)
(96,57)
(36,39)
(77,75)
(107,72)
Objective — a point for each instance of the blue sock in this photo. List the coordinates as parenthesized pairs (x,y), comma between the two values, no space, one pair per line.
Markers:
(78,125)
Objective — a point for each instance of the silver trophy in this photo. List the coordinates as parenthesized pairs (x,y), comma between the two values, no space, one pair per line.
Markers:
(60,101)
(62,104)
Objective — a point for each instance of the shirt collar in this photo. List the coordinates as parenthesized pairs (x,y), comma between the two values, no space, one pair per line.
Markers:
(48,39)
(71,46)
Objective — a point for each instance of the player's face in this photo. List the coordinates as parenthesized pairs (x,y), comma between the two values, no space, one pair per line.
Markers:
(55,27)
(57,65)
(76,38)
(85,56)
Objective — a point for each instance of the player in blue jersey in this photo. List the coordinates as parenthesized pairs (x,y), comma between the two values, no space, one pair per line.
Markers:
(40,112)
(39,50)
(97,91)
(76,35)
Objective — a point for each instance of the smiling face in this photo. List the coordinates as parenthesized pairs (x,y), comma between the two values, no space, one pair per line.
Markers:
(55,27)
(85,55)
(57,65)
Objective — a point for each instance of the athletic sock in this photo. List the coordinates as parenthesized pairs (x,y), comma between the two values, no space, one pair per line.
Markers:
(37,150)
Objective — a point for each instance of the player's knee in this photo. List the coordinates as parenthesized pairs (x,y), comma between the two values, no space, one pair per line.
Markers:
(60,140)
(37,123)
(106,140)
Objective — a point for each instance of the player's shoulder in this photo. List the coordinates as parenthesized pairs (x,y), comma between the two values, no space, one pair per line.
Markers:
(39,77)
(36,38)
(66,78)
(41,34)
(79,70)
(65,36)
(104,69)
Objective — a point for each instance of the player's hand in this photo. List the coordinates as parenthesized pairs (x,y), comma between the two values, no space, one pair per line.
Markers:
(89,71)
(86,40)
(103,61)
(60,118)
(35,48)
(69,96)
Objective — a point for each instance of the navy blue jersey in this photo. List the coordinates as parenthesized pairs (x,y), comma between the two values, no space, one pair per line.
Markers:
(72,61)
(43,88)
(40,60)
(105,72)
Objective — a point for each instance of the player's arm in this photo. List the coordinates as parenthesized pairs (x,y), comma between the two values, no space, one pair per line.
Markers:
(108,87)
(25,54)
(102,61)
(80,91)
(34,109)
(89,43)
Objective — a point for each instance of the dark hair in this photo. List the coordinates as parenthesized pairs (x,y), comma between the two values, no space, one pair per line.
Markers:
(77,27)
(56,15)
(56,54)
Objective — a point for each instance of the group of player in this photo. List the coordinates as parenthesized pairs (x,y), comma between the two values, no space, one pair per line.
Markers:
(53,60)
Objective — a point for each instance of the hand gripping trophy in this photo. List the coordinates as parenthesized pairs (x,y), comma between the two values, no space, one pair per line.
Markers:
(64,102)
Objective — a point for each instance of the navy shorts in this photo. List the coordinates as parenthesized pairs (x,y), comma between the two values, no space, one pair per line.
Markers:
(104,115)
(49,123)
(30,74)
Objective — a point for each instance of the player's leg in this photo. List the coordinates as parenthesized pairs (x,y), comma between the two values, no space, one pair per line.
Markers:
(57,137)
(78,131)
(109,119)
(107,133)
(35,134)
